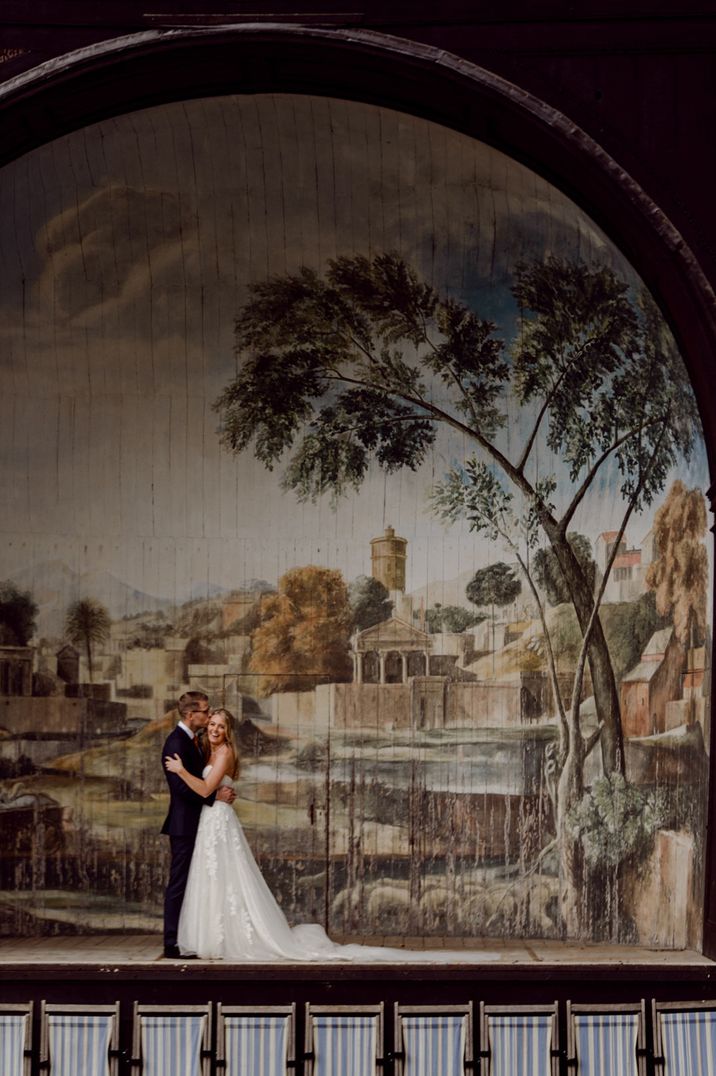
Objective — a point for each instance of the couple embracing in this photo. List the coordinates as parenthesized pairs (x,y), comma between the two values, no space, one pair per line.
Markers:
(185,805)
(217,903)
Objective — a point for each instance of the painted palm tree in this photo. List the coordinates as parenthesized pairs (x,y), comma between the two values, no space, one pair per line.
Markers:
(87,624)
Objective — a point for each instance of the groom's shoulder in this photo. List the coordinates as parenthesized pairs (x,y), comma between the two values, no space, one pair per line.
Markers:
(174,730)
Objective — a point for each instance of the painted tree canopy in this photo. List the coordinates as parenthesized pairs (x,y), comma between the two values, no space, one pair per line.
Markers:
(369,602)
(679,575)
(497,584)
(302,636)
(18,611)
(548,573)
(451,618)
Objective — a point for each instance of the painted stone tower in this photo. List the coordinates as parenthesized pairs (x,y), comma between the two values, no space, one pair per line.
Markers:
(388,558)
(388,555)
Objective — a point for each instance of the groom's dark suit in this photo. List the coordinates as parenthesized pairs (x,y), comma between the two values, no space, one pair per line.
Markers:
(181,825)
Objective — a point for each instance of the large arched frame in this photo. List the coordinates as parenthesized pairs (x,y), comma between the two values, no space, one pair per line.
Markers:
(155,67)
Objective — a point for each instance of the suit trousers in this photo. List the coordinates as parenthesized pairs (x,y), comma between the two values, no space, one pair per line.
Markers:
(182,849)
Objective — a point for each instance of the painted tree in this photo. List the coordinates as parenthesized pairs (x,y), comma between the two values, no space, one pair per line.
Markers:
(87,624)
(203,649)
(679,573)
(617,824)
(549,575)
(369,601)
(451,618)
(369,361)
(495,585)
(18,611)
(303,635)
(150,635)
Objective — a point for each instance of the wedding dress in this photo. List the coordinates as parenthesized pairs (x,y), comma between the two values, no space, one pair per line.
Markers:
(229,911)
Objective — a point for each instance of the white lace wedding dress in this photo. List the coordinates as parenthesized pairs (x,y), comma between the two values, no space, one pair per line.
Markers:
(229,912)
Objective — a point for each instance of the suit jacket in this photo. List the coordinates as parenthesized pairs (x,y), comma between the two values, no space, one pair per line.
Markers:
(184,804)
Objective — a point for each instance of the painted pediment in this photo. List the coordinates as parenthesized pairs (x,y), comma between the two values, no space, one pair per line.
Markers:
(392,633)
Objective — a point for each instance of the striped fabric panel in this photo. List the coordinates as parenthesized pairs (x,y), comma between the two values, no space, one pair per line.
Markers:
(689,1043)
(345,1044)
(171,1044)
(520,1044)
(256,1045)
(434,1045)
(13,1028)
(606,1044)
(79,1043)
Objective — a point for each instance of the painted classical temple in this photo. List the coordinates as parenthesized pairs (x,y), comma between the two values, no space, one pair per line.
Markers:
(390,653)
(395,650)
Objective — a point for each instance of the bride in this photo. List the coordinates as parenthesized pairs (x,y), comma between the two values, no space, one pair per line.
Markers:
(229,911)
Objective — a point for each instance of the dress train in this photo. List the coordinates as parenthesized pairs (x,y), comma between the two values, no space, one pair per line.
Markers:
(230,913)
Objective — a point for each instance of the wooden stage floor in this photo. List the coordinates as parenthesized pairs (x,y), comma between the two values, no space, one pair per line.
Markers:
(105,968)
(134,950)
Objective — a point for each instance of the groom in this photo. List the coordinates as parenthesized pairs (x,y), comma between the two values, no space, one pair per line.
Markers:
(184,807)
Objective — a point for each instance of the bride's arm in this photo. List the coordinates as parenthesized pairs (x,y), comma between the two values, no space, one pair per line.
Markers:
(203,787)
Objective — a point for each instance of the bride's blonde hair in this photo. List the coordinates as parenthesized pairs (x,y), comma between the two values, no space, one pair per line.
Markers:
(230,722)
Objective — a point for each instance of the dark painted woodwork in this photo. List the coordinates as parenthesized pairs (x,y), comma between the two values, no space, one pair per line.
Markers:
(165,984)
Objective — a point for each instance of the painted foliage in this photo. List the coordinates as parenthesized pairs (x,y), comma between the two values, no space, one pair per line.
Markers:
(369,432)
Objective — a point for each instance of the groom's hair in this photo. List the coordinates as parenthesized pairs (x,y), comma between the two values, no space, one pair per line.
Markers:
(187,701)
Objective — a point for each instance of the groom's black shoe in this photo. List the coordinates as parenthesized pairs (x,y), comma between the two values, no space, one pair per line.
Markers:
(172,953)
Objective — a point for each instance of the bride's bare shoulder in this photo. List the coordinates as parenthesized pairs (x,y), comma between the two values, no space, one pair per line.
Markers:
(224,753)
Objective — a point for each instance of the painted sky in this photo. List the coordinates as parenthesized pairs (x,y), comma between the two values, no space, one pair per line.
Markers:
(125,253)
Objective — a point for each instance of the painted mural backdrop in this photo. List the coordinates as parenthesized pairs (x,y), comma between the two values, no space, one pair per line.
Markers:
(369,432)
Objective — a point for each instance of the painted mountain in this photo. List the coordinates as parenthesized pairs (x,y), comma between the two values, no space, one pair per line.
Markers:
(54,586)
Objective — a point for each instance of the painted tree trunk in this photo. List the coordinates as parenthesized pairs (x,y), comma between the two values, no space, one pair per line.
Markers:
(606,696)
(571,858)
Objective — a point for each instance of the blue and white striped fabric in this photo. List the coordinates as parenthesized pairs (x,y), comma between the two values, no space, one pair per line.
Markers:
(345,1044)
(689,1042)
(434,1045)
(520,1044)
(606,1043)
(171,1044)
(13,1029)
(79,1043)
(256,1045)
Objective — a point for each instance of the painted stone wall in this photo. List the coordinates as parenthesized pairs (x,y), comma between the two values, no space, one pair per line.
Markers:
(373,435)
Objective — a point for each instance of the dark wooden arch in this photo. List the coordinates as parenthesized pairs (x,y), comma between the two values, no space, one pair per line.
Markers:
(149,68)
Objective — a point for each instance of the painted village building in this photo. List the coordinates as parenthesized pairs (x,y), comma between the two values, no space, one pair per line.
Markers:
(35,724)
(16,665)
(656,681)
(628,572)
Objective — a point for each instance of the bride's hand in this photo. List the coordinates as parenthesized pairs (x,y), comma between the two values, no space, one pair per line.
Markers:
(174,765)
